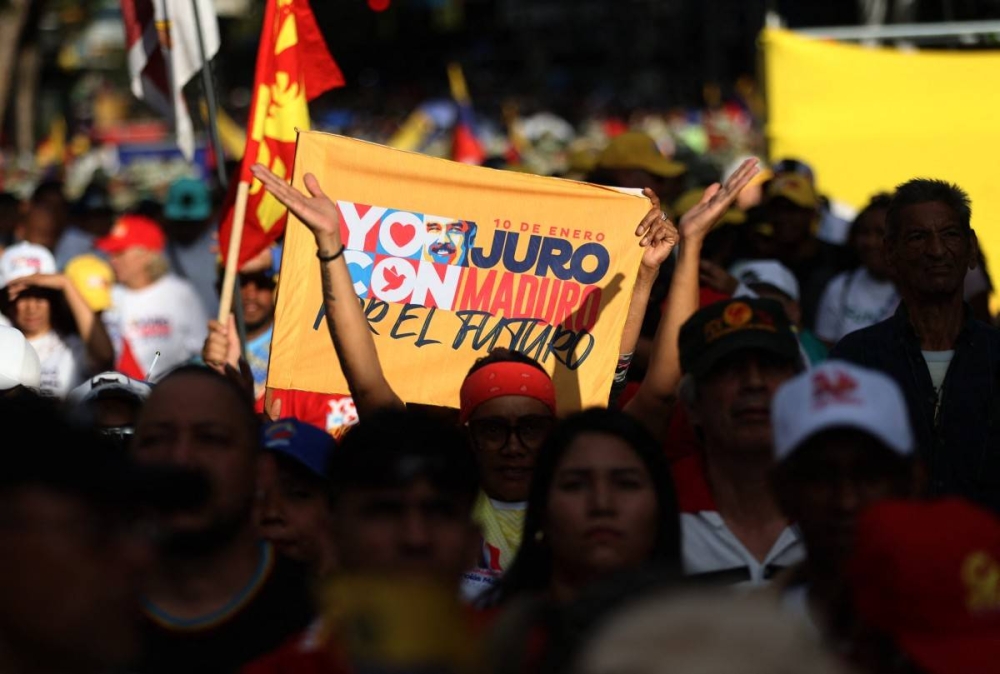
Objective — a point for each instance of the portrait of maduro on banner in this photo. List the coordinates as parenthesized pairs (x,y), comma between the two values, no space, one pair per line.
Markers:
(450,261)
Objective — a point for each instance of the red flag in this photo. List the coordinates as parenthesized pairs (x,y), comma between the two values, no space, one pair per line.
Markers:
(293,67)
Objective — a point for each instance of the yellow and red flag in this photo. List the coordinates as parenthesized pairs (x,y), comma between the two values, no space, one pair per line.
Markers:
(294,66)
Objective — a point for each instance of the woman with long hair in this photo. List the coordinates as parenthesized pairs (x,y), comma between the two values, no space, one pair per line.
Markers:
(601,501)
(602,525)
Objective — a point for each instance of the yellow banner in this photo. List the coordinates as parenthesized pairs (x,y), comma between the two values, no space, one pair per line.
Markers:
(450,261)
(869,119)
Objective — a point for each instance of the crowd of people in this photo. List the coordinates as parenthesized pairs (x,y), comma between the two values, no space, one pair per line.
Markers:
(797,470)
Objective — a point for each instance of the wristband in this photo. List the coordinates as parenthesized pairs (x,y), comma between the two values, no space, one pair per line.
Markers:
(331,258)
(621,371)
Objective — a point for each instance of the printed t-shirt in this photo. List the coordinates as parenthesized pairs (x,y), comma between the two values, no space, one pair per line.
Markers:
(501,525)
(166,316)
(852,301)
(275,605)
(63,361)
(709,550)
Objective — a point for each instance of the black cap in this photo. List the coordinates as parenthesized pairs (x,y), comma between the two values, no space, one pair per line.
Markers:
(43,448)
(394,448)
(723,328)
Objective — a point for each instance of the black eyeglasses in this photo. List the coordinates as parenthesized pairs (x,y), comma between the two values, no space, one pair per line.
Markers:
(494,432)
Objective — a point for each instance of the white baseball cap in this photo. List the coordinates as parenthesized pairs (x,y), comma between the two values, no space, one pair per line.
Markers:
(837,394)
(108,384)
(24,259)
(19,364)
(768,272)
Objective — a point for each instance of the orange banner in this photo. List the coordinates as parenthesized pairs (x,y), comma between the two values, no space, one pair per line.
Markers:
(450,261)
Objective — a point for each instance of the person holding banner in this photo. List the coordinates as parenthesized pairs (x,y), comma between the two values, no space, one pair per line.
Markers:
(732,356)
(508,400)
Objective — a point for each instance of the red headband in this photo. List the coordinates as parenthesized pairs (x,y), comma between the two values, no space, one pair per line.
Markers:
(505,379)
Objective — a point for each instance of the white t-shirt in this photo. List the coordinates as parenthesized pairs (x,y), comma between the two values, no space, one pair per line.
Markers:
(166,316)
(852,301)
(63,361)
(938,363)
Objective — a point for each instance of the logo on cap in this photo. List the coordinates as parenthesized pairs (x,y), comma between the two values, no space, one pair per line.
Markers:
(737,315)
(32,263)
(279,434)
(839,390)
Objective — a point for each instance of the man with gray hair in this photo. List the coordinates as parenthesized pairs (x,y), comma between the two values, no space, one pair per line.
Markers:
(946,362)
(734,356)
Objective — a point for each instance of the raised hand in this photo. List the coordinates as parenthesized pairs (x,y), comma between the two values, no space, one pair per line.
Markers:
(222,346)
(272,408)
(659,235)
(716,200)
(48,281)
(317,211)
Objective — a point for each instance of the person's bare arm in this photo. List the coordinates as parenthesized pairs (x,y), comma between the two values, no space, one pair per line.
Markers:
(100,352)
(345,318)
(659,387)
(658,238)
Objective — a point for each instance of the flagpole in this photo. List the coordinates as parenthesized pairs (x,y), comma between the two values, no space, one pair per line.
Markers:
(228,295)
(210,99)
(228,298)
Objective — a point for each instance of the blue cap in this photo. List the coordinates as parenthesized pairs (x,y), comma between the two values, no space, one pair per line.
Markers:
(188,199)
(306,444)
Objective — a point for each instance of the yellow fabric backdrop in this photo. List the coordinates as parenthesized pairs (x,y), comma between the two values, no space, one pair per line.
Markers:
(427,341)
(868,119)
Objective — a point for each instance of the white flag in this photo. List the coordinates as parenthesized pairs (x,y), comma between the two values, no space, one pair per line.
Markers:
(162,38)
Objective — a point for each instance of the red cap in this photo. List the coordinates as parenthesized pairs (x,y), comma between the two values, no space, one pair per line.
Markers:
(133,231)
(928,573)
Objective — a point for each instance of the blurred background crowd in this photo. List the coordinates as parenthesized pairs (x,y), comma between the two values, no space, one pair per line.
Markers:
(811,487)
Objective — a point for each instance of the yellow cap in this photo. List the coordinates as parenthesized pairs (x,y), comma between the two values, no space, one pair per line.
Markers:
(795,188)
(93,277)
(637,150)
(581,161)
(690,199)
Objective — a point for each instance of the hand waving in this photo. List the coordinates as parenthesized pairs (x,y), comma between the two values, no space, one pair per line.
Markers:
(317,211)
(659,236)
(716,200)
